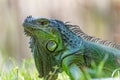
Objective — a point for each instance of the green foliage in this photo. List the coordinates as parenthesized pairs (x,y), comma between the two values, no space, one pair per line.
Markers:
(27,71)
(24,71)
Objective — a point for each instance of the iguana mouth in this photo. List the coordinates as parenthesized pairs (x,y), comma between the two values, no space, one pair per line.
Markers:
(29,30)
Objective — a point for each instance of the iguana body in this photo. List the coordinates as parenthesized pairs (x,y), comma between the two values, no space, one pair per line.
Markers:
(56,43)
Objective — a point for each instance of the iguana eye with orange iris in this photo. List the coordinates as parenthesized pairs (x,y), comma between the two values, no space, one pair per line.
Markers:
(43,21)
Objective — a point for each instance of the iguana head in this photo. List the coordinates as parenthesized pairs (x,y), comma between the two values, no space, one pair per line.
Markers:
(45,31)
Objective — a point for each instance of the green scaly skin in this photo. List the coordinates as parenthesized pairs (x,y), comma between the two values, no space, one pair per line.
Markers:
(54,44)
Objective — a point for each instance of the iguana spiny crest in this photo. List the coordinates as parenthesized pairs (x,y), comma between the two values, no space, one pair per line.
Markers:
(76,29)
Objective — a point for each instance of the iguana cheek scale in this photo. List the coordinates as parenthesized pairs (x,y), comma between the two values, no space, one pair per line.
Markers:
(55,43)
(51,45)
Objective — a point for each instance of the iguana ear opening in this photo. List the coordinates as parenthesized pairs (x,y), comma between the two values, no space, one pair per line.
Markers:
(51,45)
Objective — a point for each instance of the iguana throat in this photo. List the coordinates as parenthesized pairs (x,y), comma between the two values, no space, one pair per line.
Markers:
(44,60)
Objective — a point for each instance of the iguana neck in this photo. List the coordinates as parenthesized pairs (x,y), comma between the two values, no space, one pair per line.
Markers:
(72,43)
(71,40)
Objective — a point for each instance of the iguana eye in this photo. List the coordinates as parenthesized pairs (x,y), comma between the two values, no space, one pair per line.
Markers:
(43,21)
(51,45)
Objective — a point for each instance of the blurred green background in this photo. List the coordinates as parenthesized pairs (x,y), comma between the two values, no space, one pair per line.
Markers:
(99,18)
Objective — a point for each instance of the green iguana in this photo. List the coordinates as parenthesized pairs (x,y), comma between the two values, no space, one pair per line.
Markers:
(55,43)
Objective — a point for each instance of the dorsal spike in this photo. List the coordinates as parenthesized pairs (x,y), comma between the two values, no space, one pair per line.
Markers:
(76,29)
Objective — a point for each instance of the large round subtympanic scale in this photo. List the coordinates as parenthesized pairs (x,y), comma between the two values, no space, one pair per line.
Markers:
(51,45)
